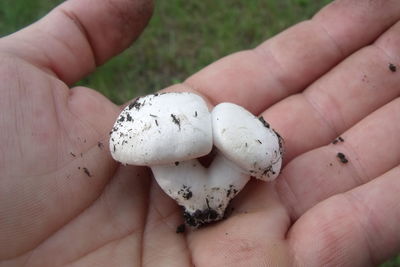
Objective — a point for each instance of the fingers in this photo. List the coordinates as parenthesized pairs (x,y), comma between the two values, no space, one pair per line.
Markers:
(78,35)
(357,228)
(371,148)
(287,63)
(352,90)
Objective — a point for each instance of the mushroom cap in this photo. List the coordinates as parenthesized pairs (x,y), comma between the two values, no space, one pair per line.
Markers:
(161,129)
(247,141)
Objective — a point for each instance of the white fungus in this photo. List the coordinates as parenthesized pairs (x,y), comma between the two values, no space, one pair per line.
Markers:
(169,132)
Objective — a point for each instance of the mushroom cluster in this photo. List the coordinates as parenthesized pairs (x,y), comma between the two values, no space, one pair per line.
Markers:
(169,132)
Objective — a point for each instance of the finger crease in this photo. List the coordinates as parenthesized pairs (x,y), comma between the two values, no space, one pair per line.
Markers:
(320,114)
(330,37)
(70,15)
(267,54)
(287,196)
(353,200)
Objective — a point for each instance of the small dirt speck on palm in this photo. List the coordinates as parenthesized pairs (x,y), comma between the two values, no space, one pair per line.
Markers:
(181,228)
(337,140)
(87,172)
(342,157)
(100,145)
(392,67)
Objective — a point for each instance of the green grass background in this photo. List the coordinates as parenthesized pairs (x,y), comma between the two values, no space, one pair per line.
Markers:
(182,37)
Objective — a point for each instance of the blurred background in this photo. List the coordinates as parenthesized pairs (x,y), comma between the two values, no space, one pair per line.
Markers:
(182,37)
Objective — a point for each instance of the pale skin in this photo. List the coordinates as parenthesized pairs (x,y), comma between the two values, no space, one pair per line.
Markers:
(319,79)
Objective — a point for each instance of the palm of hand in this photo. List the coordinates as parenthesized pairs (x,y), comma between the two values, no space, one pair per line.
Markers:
(67,201)
(67,169)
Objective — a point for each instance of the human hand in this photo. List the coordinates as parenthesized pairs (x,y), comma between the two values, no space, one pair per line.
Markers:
(313,82)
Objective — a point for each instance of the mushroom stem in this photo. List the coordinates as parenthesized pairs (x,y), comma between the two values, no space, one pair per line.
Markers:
(203,193)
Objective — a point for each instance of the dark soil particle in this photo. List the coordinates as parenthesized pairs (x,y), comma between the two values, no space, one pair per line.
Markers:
(259,141)
(176,163)
(176,120)
(231,191)
(87,172)
(200,217)
(72,154)
(281,141)
(342,157)
(157,94)
(266,124)
(392,67)
(195,114)
(337,140)
(181,229)
(135,104)
(114,129)
(121,119)
(100,145)
(185,192)
(268,171)
(188,195)
(128,117)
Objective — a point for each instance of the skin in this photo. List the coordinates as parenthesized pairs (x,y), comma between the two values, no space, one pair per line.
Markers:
(319,79)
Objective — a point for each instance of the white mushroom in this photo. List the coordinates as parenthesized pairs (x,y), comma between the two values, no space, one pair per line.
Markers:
(168,132)
(161,129)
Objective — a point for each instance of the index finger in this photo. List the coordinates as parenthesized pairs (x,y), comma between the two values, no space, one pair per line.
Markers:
(290,61)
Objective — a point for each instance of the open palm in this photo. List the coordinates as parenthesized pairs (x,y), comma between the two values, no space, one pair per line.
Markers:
(64,201)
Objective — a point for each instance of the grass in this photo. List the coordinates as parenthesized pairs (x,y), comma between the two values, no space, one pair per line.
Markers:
(395,262)
(182,37)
